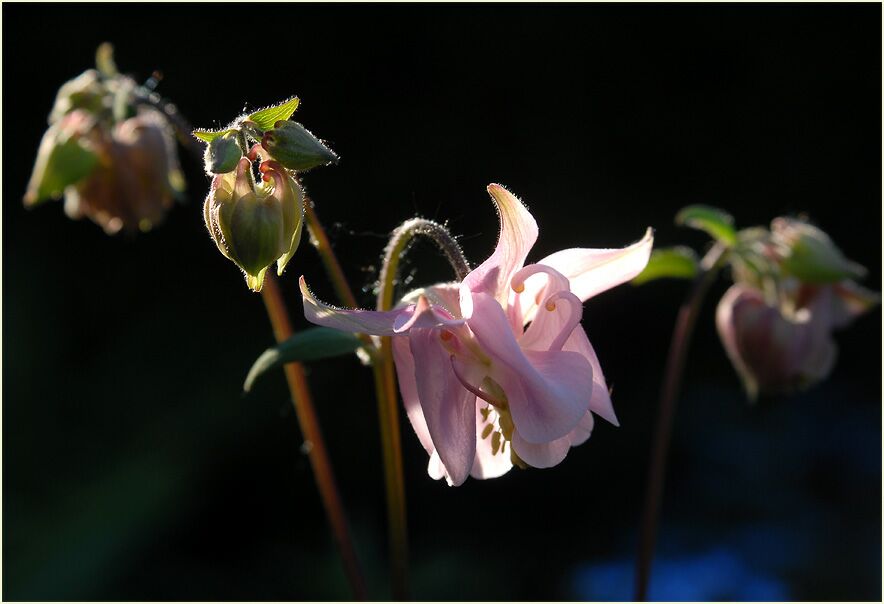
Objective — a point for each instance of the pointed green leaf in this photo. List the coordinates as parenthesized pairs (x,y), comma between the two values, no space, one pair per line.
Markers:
(673,262)
(207,136)
(266,118)
(717,223)
(309,345)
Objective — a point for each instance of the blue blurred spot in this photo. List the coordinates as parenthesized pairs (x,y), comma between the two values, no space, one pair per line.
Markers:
(719,574)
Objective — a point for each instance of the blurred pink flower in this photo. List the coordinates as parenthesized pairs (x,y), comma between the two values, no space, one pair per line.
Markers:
(788,345)
(497,370)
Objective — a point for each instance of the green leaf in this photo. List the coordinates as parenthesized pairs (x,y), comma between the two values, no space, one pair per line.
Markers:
(266,118)
(309,345)
(717,223)
(207,136)
(674,262)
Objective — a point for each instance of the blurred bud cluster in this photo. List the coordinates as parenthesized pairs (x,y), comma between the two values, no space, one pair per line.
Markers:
(792,289)
(255,207)
(110,154)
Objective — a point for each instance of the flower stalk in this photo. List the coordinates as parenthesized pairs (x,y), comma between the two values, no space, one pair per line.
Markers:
(319,460)
(675,362)
(385,381)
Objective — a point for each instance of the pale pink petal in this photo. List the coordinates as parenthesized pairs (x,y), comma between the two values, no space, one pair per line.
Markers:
(448,408)
(489,464)
(376,323)
(553,324)
(541,455)
(518,232)
(548,391)
(582,432)
(600,403)
(404,362)
(592,271)
(424,316)
(441,295)
(357,321)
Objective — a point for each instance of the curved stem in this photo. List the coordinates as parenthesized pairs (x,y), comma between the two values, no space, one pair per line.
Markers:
(678,350)
(385,374)
(322,469)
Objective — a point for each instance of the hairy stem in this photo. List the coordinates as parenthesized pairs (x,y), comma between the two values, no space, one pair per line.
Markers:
(306,414)
(678,350)
(385,375)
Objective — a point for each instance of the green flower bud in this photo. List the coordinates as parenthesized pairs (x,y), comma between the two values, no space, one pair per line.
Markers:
(808,254)
(222,154)
(295,147)
(255,225)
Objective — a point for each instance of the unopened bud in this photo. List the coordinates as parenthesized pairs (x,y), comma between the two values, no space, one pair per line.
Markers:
(255,224)
(295,147)
(222,154)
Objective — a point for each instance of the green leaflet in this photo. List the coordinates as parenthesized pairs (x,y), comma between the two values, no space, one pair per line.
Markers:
(673,262)
(266,118)
(309,345)
(715,222)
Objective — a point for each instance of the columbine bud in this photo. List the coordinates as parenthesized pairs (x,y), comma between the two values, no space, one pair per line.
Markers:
(136,178)
(222,154)
(808,254)
(255,225)
(295,147)
(772,349)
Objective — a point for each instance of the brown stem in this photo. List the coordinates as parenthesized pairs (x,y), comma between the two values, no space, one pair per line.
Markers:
(678,350)
(315,444)
(388,414)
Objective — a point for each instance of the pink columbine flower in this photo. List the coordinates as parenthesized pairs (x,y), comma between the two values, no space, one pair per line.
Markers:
(497,370)
(787,345)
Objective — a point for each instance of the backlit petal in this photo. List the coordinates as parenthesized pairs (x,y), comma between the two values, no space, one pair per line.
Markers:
(518,232)
(600,403)
(542,455)
(376,323)
(548,391)
(448,408)
(592,271)
(582,432)
(488,463)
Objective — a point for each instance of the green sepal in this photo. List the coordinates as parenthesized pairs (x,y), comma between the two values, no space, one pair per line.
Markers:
(207,136)
(65,164)
(717,223)
(311,344)
(265,118)
(673,262)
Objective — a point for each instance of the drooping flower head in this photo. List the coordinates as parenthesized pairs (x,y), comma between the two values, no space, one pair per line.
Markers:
(496,370)
(255,224)
(109,151)
(776,327)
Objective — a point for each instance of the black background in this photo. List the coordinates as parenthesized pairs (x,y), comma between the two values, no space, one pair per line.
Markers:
(134,468)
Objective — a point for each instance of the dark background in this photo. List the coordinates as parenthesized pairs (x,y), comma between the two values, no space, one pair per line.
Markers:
(134,468)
